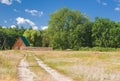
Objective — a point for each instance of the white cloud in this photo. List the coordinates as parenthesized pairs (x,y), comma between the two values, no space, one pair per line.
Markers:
(30,22)
(34,12)
(44,27)
(102,3)
(15,10)
(4,27)
(35,27)
(117,9)
(13,26)
(19,1)
(5,21)
(9,2)
(21,20)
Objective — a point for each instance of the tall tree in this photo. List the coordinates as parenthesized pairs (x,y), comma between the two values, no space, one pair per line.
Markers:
(62,26)
(101,32)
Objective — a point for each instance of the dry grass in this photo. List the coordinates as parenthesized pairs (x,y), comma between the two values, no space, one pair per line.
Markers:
(41,74)
(8,65)
(84,65)
(79,65)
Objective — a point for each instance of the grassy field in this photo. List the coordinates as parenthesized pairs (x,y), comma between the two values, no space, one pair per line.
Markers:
(79,65)
(84,65)
(8,65)
(42,75)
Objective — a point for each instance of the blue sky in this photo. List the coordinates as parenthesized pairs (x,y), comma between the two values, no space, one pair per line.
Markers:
(36,13)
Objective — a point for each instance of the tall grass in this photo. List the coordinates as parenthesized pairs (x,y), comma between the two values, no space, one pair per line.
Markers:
(42,75)
(84,65)
(8,65)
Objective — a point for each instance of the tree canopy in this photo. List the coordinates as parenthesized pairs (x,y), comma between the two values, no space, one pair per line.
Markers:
(67,29)
(64,29)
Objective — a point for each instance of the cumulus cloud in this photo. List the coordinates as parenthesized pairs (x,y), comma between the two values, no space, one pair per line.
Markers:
(21,20)
(34,12)
(13,26)
(44,27)
(117,9)
(9,2)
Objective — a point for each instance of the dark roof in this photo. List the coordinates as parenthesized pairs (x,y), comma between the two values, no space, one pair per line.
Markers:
(25,40)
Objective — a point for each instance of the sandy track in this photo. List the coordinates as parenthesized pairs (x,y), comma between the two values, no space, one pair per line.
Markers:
(57,76)
(24,74)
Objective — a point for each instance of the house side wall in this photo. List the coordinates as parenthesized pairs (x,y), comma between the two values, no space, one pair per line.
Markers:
(19,44)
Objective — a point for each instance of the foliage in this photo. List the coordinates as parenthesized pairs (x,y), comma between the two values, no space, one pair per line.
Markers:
(106,33)
(67,29)
(34,37)
(8,36)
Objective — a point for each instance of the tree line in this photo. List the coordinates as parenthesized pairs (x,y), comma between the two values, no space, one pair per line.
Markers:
(67,29)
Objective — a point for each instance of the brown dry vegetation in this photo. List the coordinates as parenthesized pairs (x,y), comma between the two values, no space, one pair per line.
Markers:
(84,65)
(42,75)
(79,65)
(8,65)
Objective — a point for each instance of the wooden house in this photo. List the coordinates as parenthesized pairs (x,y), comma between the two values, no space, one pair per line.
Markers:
(20,43)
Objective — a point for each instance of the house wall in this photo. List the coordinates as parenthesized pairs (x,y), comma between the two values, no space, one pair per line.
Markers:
(19,44)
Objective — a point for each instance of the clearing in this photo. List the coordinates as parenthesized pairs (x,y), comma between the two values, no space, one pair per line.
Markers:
(45,65)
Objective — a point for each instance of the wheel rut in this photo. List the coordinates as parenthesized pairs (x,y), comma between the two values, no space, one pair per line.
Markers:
(25,74)
(56,75)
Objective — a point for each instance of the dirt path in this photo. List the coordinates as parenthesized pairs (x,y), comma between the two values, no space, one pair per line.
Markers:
(57,76)
(24,74)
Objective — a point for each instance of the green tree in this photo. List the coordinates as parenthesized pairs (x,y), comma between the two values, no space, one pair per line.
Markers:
(34,37)
(45,38)
(101,32)
(62,28)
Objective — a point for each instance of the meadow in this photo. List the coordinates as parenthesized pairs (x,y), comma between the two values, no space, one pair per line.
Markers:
(42,75)
(79,65)
(84,65)
(9,61)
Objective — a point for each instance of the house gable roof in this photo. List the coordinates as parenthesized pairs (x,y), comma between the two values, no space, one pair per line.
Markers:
(25,40)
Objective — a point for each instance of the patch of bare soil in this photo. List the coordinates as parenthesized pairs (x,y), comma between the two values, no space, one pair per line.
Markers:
(24,73)
(57,76)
